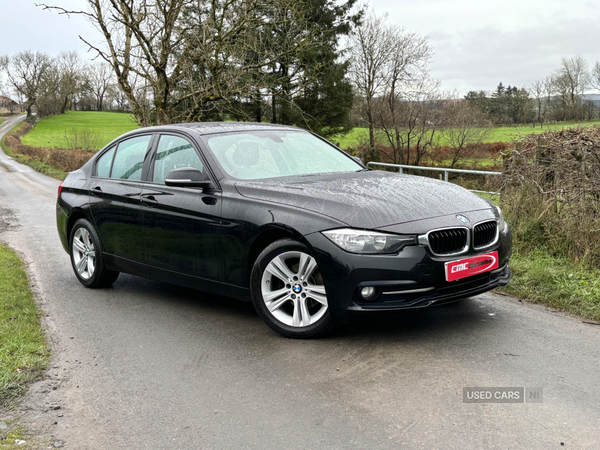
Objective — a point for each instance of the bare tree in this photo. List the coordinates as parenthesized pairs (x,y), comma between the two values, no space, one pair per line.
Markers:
(174,59)
(49,98)
(570,82)
(465,127)
(548,93)
(100,78)
(541,95)
(70,67)
(595,76)
(371,45)
(25,73)
(407,83)
(410,122)
(536,91)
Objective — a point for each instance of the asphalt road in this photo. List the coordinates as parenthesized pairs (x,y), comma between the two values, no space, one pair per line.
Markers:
(146,365)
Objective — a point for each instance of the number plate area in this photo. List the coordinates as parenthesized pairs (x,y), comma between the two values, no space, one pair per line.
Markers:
(456,270)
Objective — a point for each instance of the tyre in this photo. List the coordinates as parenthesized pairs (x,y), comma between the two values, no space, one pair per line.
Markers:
(288,291)
(86,257)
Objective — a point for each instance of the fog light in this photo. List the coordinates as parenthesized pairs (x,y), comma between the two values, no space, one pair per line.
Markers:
(367,292)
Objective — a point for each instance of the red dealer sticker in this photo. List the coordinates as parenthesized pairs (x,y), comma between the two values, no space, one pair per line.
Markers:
(455,270)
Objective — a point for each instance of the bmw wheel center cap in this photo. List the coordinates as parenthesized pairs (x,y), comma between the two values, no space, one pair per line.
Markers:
(297,288)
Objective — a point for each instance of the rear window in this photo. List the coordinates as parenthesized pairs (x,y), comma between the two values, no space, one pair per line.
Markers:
(129,160)
(104,163)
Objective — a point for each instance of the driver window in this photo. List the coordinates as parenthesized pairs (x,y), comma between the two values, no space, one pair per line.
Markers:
(173,153)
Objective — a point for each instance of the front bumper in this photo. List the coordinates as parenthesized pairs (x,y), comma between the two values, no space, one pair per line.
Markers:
(414,278)
(434,295)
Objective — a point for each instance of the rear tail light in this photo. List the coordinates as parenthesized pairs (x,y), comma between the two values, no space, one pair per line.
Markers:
(60,188)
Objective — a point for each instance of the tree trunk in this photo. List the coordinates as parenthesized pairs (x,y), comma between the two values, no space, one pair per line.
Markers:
(285,116)
(162,116)
(258,107)
(371,126)
(400,147)
(63,109)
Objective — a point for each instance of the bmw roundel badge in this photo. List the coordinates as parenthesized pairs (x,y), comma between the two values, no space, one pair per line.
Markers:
(463,219)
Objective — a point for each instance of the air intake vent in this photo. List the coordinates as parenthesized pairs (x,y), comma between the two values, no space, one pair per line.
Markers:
(448,241)
(485,234)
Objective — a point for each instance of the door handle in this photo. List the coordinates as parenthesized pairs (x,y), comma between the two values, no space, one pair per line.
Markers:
(149,200)
(96,190)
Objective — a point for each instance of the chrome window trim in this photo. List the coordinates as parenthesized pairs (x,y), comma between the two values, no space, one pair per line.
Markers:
(495,239)
(423,239)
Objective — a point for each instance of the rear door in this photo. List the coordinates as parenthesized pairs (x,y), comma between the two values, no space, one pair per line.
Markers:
(115,193)
(181,226)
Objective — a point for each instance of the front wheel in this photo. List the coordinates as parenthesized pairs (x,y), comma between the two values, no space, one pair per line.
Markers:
(86,257)
(288,291)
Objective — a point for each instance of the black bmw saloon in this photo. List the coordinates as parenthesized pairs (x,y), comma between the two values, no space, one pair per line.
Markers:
(278,216)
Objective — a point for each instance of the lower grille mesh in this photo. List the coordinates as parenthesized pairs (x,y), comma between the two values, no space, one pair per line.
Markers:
(450,240)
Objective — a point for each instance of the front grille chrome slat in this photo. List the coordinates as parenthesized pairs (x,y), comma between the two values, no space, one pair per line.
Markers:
(458,240)
(485,234)
(448,241)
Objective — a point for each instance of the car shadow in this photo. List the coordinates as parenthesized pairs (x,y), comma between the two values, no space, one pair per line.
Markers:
(464,317)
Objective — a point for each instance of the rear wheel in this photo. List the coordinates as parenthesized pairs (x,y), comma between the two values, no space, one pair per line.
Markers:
(86,257)
(288,291)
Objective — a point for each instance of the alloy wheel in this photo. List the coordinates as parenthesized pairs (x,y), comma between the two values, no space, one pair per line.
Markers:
(84,253)
(292,289)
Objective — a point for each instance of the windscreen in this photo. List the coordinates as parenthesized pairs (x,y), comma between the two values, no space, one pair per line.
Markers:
(255,155)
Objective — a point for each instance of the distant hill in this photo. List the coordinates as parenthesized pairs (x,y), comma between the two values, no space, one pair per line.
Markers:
(594,98)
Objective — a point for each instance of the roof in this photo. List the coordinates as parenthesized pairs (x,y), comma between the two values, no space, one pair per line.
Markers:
(225,127)
(7,100)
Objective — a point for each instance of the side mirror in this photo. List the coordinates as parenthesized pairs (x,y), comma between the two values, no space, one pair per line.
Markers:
(187,177)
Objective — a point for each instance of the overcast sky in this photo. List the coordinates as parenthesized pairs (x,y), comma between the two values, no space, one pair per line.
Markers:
(477,43)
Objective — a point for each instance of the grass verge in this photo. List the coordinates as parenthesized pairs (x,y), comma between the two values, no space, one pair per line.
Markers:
(35,164)
(24,353)
(555,281)
(13,434)
(51,131)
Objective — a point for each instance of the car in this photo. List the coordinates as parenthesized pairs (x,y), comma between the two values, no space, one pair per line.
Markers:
(278,216)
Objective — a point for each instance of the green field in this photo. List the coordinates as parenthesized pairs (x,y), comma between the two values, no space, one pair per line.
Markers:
(40,166)
(51,131)
(360,136)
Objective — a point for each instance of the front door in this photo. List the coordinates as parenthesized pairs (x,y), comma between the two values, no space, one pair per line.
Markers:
(115,193)
(181,226)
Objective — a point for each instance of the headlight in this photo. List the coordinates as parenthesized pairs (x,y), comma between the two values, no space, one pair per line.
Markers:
(501,223)
(369,242)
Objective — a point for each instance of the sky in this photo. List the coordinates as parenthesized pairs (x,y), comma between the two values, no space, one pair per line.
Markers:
(477,43)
